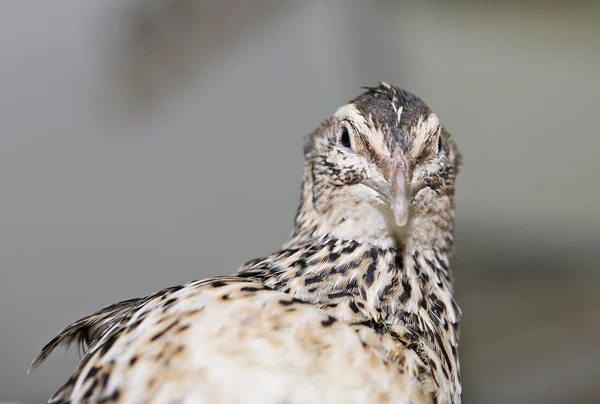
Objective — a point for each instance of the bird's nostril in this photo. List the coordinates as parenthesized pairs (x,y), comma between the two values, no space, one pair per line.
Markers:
(387,167)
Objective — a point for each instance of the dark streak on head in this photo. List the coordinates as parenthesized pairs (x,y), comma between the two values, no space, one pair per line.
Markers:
(382,103)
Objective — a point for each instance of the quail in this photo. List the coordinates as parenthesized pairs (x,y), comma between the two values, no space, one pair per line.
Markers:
(356,307)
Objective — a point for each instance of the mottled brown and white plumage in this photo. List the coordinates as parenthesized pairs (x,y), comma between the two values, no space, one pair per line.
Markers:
(356,307)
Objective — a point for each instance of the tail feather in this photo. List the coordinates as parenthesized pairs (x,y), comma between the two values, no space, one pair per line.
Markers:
(88,330)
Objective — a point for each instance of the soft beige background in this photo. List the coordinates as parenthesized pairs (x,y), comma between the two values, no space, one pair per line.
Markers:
(144,143)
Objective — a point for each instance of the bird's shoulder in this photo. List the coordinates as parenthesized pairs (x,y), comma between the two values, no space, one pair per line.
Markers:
(229,339)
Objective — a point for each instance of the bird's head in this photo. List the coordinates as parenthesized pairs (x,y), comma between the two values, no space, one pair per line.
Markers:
(380,170)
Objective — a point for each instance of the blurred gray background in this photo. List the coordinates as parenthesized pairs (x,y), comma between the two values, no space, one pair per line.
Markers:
(145,143)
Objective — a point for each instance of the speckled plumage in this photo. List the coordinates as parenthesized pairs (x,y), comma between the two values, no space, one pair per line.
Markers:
(356,307)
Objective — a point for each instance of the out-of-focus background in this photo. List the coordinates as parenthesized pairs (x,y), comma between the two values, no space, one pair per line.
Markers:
(145,143)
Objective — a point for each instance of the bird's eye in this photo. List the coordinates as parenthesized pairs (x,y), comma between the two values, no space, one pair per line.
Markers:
(345,137)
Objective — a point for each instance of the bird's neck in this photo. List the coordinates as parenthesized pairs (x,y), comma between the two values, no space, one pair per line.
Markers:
(405,290)
(390,282)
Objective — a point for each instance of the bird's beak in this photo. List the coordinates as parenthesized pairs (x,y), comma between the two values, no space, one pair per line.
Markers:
(396,189)
(397,172)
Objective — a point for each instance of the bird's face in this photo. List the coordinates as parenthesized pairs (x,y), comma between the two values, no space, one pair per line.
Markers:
(381,167)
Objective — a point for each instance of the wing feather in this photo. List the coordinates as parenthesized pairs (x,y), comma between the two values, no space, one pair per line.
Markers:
(232,340)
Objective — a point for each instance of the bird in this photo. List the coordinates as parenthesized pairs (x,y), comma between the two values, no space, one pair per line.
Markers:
(357,306)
